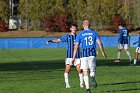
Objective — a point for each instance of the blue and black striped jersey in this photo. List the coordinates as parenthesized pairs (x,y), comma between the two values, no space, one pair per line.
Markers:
(70,40)
(87,38)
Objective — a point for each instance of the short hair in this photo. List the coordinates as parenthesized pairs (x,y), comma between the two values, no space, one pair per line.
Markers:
(123,25)
(74,25)
(86,22)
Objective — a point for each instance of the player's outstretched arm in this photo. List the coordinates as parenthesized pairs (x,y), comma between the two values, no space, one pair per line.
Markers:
(101,47)
(55,41)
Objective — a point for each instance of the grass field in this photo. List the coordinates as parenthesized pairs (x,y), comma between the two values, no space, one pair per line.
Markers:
(41,71)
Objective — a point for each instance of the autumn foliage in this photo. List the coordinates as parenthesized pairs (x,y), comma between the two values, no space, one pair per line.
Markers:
(115,21)
(58,22)
(3,26)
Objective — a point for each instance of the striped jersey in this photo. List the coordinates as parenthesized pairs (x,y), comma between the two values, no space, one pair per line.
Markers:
(123,38)
(70,39)
(87,38)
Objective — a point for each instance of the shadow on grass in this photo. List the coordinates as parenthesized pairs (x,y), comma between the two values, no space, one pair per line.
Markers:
(120,83)
(123,90)
(110,62)
(38,65)
(55,64)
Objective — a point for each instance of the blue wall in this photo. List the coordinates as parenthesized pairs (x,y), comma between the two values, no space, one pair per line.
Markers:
(108,41)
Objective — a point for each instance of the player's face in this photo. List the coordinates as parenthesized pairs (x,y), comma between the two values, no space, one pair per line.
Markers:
(139,32)
(119,27)
(73,29)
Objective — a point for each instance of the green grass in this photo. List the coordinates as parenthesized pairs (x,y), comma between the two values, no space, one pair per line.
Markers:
(41,71)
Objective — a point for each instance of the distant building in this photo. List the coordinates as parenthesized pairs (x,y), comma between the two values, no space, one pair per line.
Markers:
(14,20)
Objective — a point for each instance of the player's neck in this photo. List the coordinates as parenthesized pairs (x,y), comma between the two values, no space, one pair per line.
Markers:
(73,33)
(122,28)
(86,28)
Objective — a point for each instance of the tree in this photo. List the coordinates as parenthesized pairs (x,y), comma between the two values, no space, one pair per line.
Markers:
(99,12)
(34,11)
(78,9)
(136,18)
(4,10)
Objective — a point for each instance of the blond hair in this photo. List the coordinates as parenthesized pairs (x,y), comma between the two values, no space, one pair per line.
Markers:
(86,23)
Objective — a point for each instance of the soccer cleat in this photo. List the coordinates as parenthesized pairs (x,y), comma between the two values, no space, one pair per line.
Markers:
(118,60)
(130,61)
(67,86)
(94,83)
(88,91)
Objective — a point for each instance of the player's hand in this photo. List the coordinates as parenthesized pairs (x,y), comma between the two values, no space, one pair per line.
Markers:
(104,55)
(73,60)
(49,41)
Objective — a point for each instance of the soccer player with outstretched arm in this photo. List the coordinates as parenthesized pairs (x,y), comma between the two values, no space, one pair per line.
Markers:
(69,39)
(123,42)
(88,39)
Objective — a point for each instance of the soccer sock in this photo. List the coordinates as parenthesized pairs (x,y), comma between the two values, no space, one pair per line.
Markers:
(128,53)
(81,78)
(86,82)
(93,74)
(119,53)
(135,61)
(66,75)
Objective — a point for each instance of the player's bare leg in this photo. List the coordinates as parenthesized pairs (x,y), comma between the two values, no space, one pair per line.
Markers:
(135,58)
(119,54)
(86,80)
(66,75)
(81,77)
(129,56)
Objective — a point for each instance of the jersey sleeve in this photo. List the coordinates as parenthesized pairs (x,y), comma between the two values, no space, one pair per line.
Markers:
(139,39)
(64,38)
(78,38)
(121,35)
(97,36)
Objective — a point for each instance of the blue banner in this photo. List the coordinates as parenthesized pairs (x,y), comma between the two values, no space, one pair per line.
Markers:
(108,41)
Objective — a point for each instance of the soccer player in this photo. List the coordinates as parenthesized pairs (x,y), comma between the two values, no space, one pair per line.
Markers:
(137,50)
(88,39)
(123,42)
(69,39)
